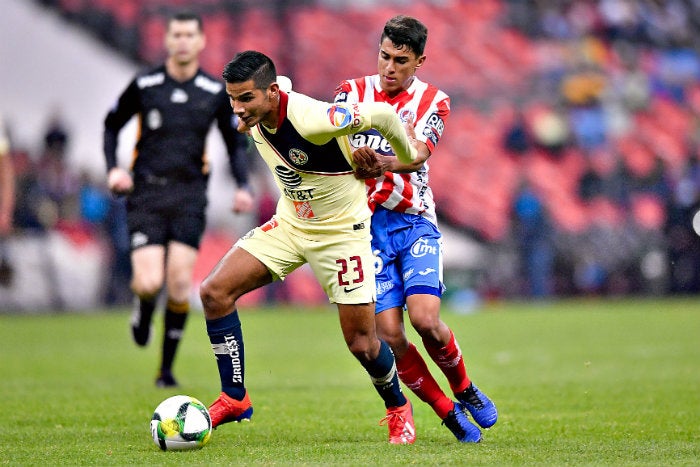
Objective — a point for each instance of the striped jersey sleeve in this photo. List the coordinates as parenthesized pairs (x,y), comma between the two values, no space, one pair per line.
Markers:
(429,108)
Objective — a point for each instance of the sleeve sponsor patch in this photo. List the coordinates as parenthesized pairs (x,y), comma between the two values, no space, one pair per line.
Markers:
(342,115)
(433,128)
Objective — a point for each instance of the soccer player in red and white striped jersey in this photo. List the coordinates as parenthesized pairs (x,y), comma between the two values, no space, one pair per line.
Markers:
(405,235)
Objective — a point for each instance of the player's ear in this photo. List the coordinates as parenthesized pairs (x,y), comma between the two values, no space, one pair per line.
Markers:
(273,90)
(420,61)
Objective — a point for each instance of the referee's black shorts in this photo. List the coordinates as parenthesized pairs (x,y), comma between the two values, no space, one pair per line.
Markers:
(157,215)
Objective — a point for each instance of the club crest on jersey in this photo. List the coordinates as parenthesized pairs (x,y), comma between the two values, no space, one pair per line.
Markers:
(298,156)
(178,96)
(406,115)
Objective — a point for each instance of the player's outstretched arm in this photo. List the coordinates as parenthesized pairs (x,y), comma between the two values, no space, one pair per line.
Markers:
(385,120)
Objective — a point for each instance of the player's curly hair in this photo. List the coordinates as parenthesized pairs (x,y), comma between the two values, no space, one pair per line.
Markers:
(406,31)
(253,65)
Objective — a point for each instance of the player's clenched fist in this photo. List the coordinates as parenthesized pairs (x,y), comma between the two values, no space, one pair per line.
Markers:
(119,181)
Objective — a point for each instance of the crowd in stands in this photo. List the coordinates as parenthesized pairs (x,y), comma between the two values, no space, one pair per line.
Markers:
(51,196)
(574,135)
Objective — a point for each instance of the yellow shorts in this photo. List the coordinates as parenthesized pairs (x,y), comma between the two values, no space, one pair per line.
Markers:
(342,261)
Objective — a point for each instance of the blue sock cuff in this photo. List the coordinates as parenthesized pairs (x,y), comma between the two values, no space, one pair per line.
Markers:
(224,324)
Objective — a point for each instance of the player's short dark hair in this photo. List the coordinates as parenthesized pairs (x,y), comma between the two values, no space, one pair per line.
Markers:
(251,65)
(406,31)
(186,16)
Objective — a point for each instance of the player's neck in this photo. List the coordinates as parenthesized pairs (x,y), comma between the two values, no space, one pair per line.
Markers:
(181,72)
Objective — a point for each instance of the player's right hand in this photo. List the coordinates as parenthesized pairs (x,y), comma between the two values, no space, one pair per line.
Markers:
(119,181)
(370,164)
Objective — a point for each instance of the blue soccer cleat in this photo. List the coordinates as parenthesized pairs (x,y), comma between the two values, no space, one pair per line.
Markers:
(479,406)
(460,426)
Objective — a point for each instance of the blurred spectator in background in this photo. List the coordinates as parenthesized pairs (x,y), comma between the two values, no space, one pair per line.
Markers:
(533,232)
(516,138)
(58,183)
(550,130)
(603,176)
(7,203)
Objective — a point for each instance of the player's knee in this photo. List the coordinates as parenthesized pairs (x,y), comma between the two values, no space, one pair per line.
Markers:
(179,290)
(397,341)
(215,299)
(361,347)
(146,287)
(426,325)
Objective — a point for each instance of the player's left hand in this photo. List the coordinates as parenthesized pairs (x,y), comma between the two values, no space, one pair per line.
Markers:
(242,201)
(411,132)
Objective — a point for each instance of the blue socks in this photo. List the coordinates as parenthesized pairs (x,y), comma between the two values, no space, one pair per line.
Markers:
(226,339)
(385,378)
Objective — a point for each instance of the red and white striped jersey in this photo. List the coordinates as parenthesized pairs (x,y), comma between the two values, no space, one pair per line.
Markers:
(429,107)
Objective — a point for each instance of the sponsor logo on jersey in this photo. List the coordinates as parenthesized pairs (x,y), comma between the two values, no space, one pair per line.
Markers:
(408,274)
(150,80)
(433,128)
(288,177)
(427,271)
(290,181)
(179,96)
(298,156)
(307,194)
(153,119)
(373,140)
(303,210)
(208,85)
(421,248)
(269,225)
(340,116)
(383,287)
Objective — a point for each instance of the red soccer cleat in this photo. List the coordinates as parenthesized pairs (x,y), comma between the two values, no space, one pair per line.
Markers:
(226,409)
(401,427)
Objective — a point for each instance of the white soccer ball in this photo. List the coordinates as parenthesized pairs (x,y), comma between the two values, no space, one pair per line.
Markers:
(181,423)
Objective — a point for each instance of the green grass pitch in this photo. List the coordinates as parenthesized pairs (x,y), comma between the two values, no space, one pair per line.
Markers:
(586,382)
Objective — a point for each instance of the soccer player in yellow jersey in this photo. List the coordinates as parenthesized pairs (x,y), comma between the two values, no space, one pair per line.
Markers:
(322,219)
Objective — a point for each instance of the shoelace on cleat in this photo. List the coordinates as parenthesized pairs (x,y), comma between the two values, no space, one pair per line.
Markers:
(472,398)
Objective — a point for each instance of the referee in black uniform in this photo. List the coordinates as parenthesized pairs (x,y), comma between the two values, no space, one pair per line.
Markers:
(166,186)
